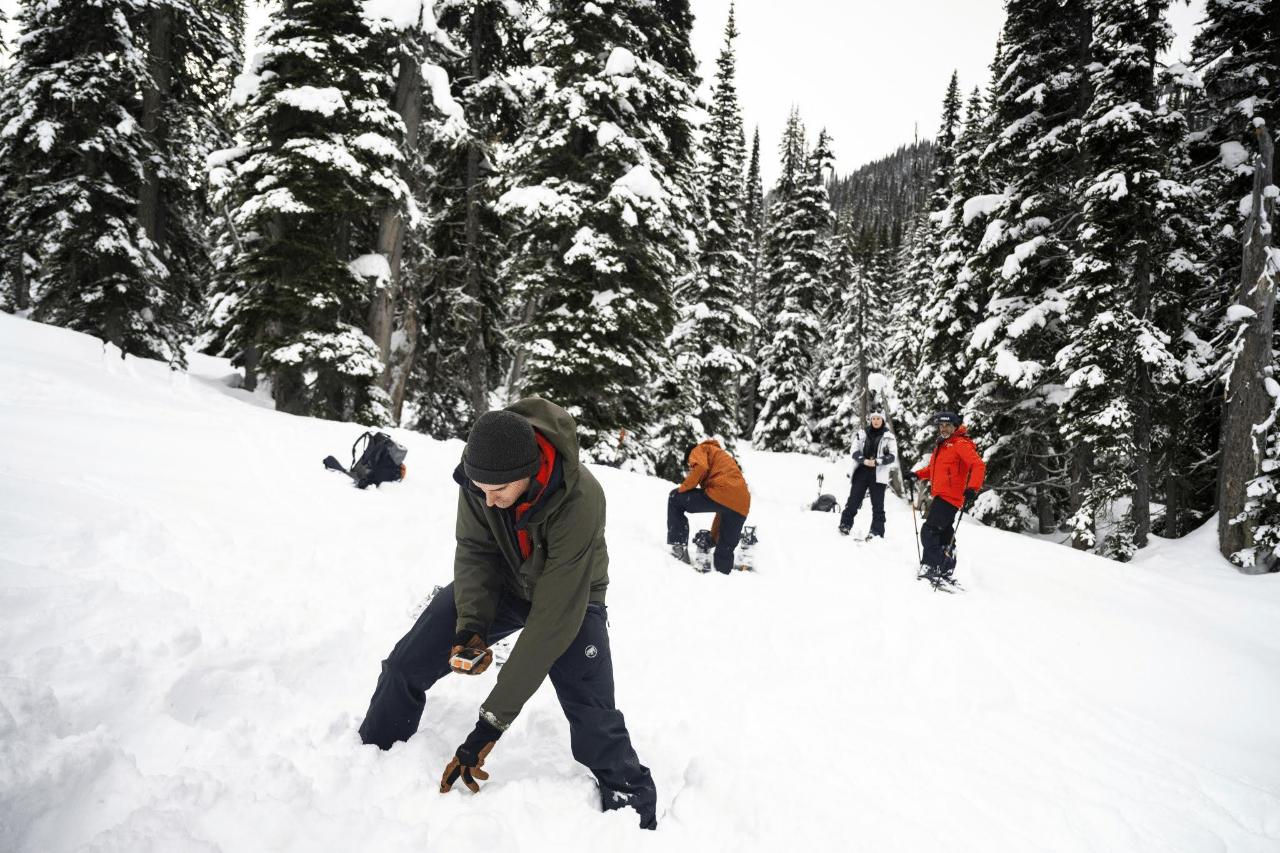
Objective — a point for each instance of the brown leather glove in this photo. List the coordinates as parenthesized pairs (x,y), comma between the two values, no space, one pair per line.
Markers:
(473,641)
(469,758)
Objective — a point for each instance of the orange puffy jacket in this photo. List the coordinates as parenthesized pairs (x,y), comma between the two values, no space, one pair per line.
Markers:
(953,466)
(720,477)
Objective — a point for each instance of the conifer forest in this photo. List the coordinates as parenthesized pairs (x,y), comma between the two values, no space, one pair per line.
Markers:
(406,213)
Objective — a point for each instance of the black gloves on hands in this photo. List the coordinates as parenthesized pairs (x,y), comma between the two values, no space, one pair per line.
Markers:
(469,758)
(909,477)
(970,494)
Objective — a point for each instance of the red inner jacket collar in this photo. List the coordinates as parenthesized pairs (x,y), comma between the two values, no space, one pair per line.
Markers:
(537,489)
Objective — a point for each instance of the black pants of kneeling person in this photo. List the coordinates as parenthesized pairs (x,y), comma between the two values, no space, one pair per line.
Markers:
(696,500)
(864,480)
(582,677)
(936,534)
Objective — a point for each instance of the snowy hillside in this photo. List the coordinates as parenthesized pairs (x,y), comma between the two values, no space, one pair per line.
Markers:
(194,612)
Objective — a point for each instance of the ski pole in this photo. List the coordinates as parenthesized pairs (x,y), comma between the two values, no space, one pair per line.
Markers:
(950,550)
(914,524)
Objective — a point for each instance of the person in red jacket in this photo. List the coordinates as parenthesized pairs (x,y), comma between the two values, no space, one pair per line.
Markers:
(955,472)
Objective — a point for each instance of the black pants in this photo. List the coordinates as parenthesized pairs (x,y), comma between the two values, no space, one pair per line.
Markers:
(582,677)
(696,500)
(864,480)
(937,533)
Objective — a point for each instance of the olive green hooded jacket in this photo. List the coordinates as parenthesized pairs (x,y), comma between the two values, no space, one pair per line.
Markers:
(567,568)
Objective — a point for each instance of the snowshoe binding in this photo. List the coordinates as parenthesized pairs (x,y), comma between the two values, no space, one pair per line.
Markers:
(702,548)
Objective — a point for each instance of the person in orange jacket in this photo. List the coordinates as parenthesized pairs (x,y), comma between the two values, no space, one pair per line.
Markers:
(955,472)
(714,484)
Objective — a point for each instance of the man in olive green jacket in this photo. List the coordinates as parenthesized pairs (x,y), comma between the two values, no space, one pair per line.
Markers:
(531,554)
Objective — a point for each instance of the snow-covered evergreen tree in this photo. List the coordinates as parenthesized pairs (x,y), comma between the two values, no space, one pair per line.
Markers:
(1022,261)
(74,152)
(913,277)
(753,225)
(1117,360)
(718,326)
(598,179)
(952,303)
(799,226)
(320,165)
(465,311)
(1238,66)
(852,364)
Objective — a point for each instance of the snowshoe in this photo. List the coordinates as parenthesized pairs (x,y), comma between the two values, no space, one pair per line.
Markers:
(702,548)
(746,557)
(680,551)
(844,531)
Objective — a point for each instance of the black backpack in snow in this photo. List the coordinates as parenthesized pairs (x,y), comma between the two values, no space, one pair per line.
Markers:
(825,502)
(381,461)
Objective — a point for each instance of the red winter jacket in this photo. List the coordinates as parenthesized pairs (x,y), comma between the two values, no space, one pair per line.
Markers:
(954,462)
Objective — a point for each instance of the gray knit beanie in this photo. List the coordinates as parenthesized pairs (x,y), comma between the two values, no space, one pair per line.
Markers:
(500,449)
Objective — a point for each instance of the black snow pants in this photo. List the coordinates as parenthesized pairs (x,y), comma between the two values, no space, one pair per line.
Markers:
(582,678)
(696,500)
(937,533)
(864,480)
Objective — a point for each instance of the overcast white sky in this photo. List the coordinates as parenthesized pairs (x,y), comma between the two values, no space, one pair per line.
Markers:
(871,71)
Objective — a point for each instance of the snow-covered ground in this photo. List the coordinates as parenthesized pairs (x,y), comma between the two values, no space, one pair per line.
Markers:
(193,611)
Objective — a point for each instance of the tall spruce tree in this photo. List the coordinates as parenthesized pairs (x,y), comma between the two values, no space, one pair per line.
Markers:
(952,299)
(717,324)
(74,151)
(1236,58)
(1022,260)
(798,268)
(598,178)
(466,311)
(320,167)
(753,225)
(1117,361)
(852,364)
(914,276)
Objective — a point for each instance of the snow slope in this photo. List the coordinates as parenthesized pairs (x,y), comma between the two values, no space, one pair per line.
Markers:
(193,611)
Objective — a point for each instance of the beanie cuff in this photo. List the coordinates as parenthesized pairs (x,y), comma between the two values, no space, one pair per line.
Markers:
(494,477)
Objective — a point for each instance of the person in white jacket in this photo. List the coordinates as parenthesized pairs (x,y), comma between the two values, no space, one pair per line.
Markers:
(874,452)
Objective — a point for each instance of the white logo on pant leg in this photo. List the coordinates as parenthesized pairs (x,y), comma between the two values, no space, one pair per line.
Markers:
(592,651)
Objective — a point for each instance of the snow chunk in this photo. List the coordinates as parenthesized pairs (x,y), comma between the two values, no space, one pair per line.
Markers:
(606,133)
(374,266)
(225,156)
(1232,154)
(640,183)
(592,9)
(621,62)
(400,14)
(438,79)
(981,205)
(1014,261)
(326,101)
(1236,313)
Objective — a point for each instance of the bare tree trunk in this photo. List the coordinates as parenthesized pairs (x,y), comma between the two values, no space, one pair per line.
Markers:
(862,363)
(21,287)
(1044,497)
(1142,414)
(517,357)
(155,95)
(1081,466)
(407,355)
(382,306)
(251,356)
(1248,404)
(477,357)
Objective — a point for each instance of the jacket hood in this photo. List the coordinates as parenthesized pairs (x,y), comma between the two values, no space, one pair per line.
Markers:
(555,424)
